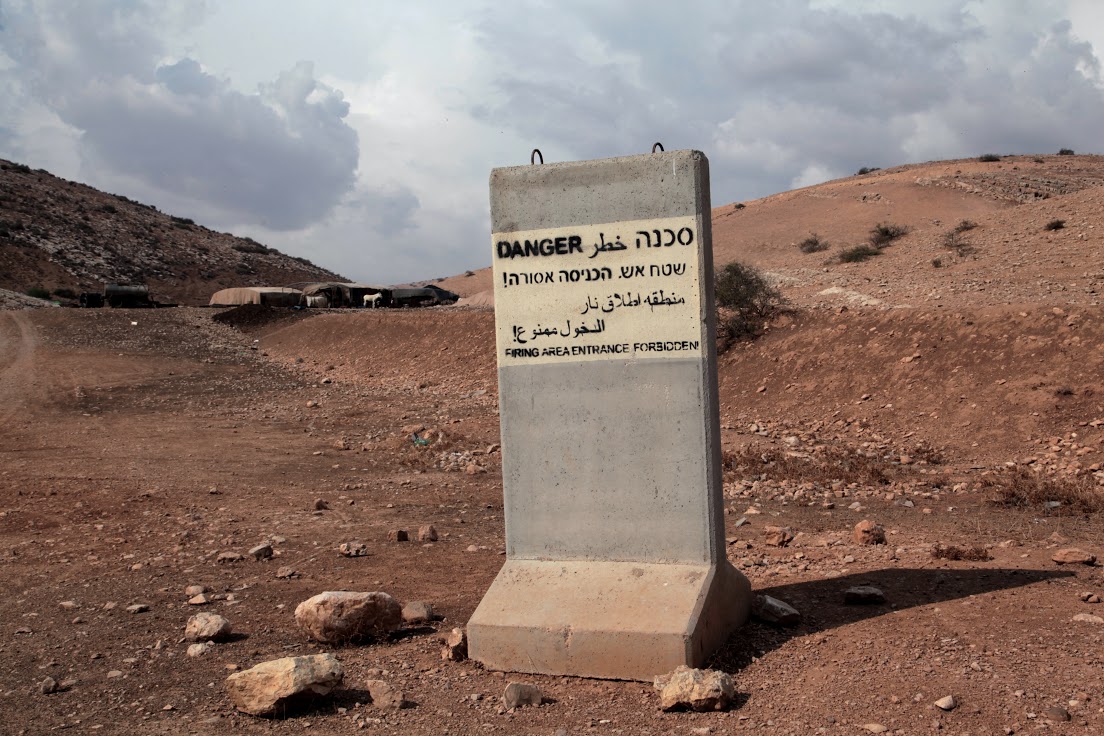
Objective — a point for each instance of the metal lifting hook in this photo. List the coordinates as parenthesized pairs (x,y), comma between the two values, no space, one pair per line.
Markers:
(533,156)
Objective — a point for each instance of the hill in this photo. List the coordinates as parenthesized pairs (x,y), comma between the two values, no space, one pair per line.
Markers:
(1007,257)
(60,235)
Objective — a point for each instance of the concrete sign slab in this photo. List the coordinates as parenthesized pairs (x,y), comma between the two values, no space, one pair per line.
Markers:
(604,317)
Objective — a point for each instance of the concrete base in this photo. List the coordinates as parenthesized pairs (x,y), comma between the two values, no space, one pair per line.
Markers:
(615,620)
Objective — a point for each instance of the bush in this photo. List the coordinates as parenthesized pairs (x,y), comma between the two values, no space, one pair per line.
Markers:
(38,292)
(883,234)
(954,241)
(951,552)
(867,170)
(17,168)
(249,246)
(748,301)
(65,293)
(1065,151)
(739,206)
(1055,225)
(937,263)
(988,157)
(859,253)
(965,225)
(813,244)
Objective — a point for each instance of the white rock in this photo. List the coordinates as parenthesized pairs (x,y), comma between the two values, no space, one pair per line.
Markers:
(693,689)
(336,617)
(946,703)
(271,687)
(207,627)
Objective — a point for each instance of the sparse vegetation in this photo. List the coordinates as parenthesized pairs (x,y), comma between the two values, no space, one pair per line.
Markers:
(988,157)
(867,170)
(954,240)
(250,246)
(884,233)
(951,552)
(64,293)
(937,263)
(823,467)
(859,253)
(1065,151)
(813,244)
(1022,488)
(965,226)
(1055,225)
(739,206)
(17,168)
(109,208)
(747,301)
(38,292)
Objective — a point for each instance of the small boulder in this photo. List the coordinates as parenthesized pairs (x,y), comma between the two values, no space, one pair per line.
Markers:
(774,611)
(273,687)
(137,608)
(198,650)
(1057,713)
(1073,556)
(262,552)
(867,532)
(518,694)
(337,617)
(207,627)
(226,558)
(285,573)
(864,595)
(353,549)
(193,590)
(946,703)
(199,600)
(1088,618)
(398,535)
(320,504)
(417,612)
(49,686)
(691,689)
(456,646)
(427,533)
(386,697)
(777,536)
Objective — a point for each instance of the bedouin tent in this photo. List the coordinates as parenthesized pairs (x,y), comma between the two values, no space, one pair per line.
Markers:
(269,296)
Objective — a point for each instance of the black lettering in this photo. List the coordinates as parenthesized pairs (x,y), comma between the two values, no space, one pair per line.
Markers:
(503,247)
(546,247)
(574,244)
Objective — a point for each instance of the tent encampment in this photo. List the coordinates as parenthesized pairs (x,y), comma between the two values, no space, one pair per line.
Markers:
(269,296)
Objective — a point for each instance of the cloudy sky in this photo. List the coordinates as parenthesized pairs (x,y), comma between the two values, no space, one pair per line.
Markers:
(360,133)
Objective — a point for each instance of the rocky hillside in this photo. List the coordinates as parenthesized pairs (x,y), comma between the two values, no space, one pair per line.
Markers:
(1016,230)
(59,235)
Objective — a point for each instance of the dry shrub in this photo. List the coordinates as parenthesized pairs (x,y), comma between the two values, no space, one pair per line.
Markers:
(1022,488)
(951,552)
(822,467)
(813,244)
(859,253)
(885,233)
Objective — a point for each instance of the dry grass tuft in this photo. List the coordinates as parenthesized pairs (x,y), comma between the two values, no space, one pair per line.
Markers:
(951,552)
(1024,489)
(822,467)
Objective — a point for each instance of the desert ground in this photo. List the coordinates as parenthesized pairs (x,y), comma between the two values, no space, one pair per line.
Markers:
(138,445)
(959,405)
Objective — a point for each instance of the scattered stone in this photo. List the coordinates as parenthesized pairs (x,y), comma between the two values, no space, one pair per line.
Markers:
(875,728)
(272,687)
(49,686)
(521,693)
(417,612)
(114,674)
(321,505)
(1090,597)
(1073,556)
(386,697)
(353,549)
(774,611)
(694,689)
(198,650)
(1088,618)
(867,532)
(1056,713)
(336,617)
(777,536)
(207,627)
(863,595)
(194,590)
(427,533)
(285,573)
(137,608)
(262,552)
(398,535)
(199,600)
(456,646)
(225,558)
(69,605)
(946,703)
